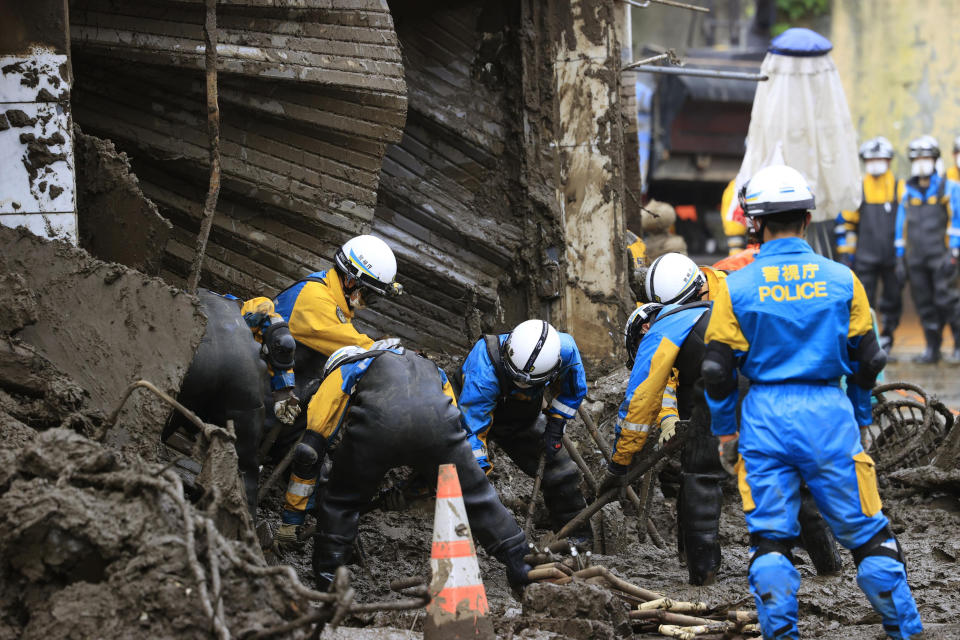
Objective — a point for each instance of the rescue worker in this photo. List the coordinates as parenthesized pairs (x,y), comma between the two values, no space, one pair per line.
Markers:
(390,408)
(502,398)
(670,355)
(319,310)
(928,232)
(225,378)
(666,383)
(794,322)
(733,227)
(865,237)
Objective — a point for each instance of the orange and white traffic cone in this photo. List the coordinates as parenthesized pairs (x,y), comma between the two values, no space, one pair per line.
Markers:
(458,602)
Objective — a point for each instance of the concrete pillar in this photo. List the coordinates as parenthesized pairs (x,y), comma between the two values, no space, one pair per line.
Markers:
(37,184)
(590,190)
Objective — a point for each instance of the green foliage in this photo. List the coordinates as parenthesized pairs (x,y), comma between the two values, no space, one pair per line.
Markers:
(790,11)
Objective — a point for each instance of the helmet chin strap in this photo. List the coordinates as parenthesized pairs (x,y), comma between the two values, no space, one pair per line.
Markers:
(352,292)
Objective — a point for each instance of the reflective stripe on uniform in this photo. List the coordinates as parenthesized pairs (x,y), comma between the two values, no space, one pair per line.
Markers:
(669,401)
(479,453)
(565,409)
(633,426)
(300,488)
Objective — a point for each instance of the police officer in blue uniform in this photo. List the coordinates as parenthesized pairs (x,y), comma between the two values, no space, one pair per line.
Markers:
(504,381)
(794,323)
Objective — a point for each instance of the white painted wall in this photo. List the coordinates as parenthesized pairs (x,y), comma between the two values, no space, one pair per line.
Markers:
(37,181)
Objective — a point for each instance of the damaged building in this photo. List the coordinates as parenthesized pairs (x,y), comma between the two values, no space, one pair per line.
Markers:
(480,139)
(495,146)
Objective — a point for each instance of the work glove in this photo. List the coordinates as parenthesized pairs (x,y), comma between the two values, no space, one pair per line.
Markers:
(286,406)
(900,271)
(385,343)
(668,429)
(614,477)
(553,436)
(287,536)
(729,454)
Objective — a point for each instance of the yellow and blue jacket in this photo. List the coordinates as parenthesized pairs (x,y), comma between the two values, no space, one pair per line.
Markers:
(881,194)
(482,390)
(317,312)
(941,190)
(325,415)
(259,314)
(652,388)
(790,297)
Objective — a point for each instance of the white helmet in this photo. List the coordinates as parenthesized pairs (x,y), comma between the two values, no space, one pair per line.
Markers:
(337,357)
(633,333)
(531,353)
(876,148)
(774,190)
(371,261)
(673,278)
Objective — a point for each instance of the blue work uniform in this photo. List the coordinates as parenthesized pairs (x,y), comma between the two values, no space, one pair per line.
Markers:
(666,382)
(493,407)
(792,321)
(927,233)
(485,393)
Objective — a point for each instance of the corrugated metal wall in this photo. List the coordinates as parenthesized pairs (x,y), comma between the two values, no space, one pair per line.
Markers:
(310,99)
(446,191)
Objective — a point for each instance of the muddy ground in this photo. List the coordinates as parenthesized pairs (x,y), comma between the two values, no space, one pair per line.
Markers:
(91,545)
(396,544)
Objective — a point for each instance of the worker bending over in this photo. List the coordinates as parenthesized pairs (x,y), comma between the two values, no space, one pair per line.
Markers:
(794,323)
(389,408)
(225,378)
(505,379)
(319,311)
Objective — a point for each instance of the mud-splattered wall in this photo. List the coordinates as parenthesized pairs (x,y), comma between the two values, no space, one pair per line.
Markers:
(36,126)
(469,187)
(451,199)
(311,94)
(590,141)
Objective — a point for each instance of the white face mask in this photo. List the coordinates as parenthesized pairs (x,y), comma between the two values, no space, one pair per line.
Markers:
(876,166)
(922,167)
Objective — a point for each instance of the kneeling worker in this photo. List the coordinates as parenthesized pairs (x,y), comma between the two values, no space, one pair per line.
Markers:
(389,408)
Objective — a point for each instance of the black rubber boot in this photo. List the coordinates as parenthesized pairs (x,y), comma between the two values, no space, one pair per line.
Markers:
(953,357)
(930,355)
(327,556)
(698,515)
(816,537)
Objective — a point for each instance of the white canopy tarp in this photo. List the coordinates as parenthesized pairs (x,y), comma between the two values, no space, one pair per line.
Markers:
(803,110)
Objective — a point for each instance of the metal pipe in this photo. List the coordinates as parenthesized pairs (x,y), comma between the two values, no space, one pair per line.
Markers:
(701,73)
(669,3)
(650,60)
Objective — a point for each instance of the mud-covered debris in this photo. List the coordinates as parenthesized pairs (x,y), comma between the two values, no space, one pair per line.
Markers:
(90,547)
(576,610)
(104,326)
(117,222)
